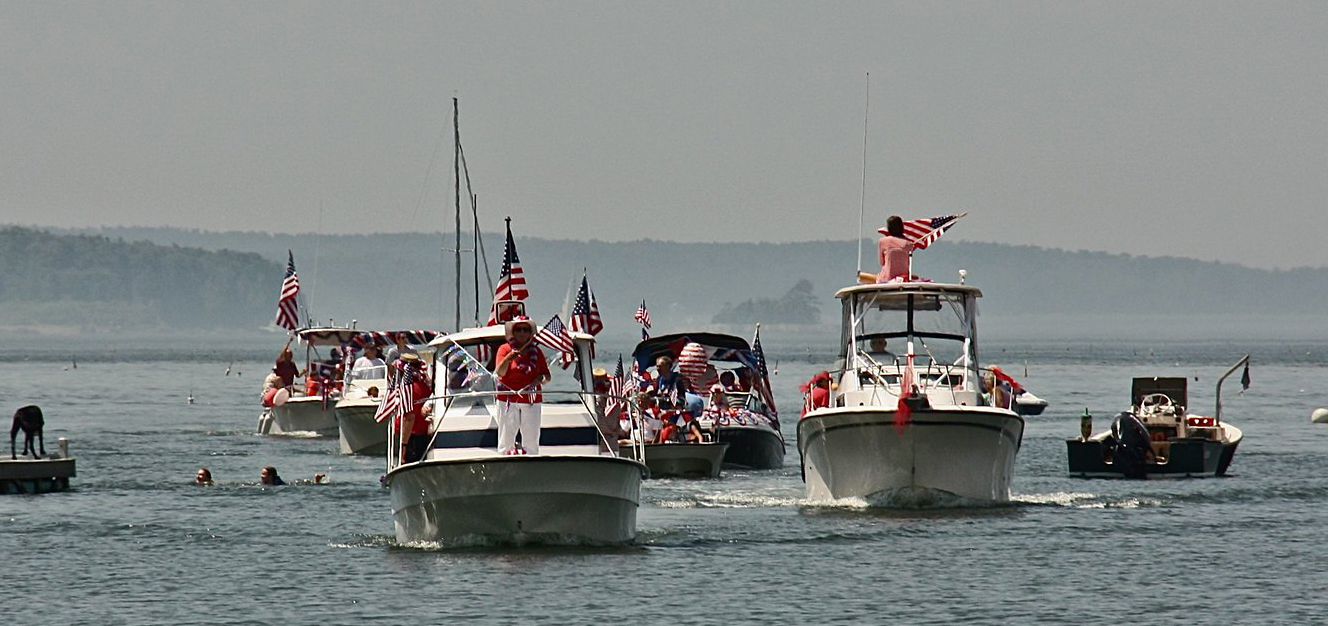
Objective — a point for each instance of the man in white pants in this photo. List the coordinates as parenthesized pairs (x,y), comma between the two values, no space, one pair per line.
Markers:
(521,370)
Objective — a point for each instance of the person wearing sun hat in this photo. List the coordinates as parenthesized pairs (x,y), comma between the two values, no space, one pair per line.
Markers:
(521,370)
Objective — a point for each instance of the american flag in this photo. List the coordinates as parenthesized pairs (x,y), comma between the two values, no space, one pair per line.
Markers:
(400,399)
(288,315)
(764,387)
(554,335)
(585,313)
(643,317)
(924,232)
(511,280)
(616,387)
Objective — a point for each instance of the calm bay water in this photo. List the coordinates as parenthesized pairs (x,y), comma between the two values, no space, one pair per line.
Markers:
(136,543)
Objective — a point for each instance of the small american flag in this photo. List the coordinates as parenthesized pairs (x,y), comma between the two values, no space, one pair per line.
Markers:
(585,313)
(615,402)
(511,280)
(643,317)
(924,232)
(288,315)
(399,400)
(554,335)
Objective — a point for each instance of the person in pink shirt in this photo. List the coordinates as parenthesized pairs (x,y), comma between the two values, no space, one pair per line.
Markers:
(894,251)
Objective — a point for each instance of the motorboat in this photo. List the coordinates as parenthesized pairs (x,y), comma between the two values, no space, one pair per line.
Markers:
(909,423)
(362,393)
(310,410)
(751,428)
(576,490)
(1157,436)
(1028,404)
(680,459)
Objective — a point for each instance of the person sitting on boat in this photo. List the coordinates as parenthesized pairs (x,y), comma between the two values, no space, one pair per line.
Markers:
(271,385)
(729,381)
(521,370)
(816,393)
(894,251)
(668,387)
(370,359)
(717,410)
(688,428)
(416,418)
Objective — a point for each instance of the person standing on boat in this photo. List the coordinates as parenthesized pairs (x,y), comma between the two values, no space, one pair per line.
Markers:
(894,251)
(286,368)
(521,370)
(369,359)
(415,420)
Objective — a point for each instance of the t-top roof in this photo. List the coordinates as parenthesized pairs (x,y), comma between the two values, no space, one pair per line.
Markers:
(907,288)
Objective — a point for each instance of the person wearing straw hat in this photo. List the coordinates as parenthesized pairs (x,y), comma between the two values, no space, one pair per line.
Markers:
(521,370)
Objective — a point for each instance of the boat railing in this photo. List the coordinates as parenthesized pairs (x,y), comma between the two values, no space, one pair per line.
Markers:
(929,376)
(596,406)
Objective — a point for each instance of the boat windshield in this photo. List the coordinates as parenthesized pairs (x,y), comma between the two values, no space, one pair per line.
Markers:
(884,323)
(469,369)
(369,373)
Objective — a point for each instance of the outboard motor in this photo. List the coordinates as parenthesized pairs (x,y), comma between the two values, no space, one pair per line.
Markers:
(1133,446)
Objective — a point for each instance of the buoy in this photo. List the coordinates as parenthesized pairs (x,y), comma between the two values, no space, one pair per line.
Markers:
(1319,416)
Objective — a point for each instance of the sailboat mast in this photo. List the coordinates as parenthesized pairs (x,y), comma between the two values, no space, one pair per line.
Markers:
(456,167)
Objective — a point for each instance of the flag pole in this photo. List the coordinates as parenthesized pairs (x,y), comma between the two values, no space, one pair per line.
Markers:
(862,197)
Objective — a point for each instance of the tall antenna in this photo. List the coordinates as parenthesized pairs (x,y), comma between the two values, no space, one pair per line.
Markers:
(456,166)
(862,199)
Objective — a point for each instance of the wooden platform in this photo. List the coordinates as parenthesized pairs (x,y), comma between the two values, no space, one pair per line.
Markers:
(35,476)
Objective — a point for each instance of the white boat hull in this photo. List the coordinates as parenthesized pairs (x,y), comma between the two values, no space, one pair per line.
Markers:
(577,500)
(300,415)
(856,452)
(359,433)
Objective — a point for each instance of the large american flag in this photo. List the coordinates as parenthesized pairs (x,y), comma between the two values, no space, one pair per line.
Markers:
(923,232)
(288,315)
(511,280)
(764,388)
(554,335)
(585,313)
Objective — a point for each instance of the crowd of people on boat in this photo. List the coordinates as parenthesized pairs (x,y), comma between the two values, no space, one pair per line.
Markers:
(675,408)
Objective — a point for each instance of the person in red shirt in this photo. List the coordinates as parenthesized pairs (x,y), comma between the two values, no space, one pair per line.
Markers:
(816,393)
(415,421)
(521,371)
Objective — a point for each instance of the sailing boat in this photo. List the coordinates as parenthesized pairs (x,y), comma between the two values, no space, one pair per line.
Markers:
(463,491)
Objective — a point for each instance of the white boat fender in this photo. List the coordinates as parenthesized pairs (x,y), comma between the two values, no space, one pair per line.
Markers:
(1319,416)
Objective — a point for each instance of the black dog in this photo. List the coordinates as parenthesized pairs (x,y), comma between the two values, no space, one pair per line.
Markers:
(29,420)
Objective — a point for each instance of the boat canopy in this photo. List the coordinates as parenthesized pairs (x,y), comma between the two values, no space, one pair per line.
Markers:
(327,335)
(719,347)
(388,338)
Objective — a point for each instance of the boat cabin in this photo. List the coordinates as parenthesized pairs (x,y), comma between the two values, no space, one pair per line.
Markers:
(883,324)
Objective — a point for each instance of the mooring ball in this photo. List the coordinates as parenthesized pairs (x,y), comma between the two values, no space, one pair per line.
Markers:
(1319,416)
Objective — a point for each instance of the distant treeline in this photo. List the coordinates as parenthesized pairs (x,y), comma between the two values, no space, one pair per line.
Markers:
(98,282)
(392,280)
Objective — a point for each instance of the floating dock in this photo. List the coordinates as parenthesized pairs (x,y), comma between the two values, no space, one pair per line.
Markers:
(35,475)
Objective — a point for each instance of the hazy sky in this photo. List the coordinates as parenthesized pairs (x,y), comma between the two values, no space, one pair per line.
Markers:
(1196,129)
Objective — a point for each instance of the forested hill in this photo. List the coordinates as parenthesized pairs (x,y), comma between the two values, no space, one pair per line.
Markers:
(406,279)
(96,282)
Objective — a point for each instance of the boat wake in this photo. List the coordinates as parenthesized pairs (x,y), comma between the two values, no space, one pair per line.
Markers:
(1085,501)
